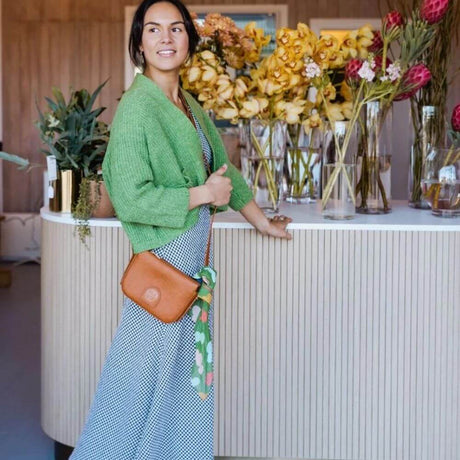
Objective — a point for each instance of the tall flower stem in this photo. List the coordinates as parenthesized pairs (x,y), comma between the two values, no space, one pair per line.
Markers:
(296,157)
(342,149)
(266,164)
(370,180)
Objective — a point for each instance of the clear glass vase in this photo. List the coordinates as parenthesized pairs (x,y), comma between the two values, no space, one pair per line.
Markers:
(266,148)
(341,203)
(338,178)
(426,134)
(373,190)
(302,166)
(243,129)
(440,184)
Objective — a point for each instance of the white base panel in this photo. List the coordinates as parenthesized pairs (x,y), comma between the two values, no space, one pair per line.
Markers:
(20,237)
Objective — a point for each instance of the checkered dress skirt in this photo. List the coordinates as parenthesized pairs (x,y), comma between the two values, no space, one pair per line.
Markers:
(145,407)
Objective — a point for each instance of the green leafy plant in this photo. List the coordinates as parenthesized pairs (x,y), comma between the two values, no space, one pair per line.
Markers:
(72,132)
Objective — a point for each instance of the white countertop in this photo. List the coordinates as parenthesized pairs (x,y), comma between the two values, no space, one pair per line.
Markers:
(308,216)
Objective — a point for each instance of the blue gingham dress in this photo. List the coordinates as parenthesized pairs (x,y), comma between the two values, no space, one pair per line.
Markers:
(145,407)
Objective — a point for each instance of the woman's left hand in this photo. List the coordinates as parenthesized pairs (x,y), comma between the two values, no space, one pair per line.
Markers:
(274,226)
(277,227)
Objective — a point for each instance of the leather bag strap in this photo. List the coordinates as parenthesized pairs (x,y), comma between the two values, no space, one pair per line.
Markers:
(208,245)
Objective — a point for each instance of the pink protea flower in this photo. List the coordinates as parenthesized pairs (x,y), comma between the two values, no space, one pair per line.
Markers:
(352,68)
(432,11)
(391,20)
(455,120)
(414,79)
(377,43)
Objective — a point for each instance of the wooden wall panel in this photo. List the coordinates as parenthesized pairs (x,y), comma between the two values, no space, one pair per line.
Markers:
(79,43)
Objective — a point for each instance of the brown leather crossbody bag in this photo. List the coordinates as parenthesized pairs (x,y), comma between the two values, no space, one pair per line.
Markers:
(160,288)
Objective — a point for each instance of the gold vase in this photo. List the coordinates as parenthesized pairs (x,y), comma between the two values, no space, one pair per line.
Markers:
(70,183)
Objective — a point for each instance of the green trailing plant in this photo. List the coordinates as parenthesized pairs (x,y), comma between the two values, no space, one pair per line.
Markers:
(85,206)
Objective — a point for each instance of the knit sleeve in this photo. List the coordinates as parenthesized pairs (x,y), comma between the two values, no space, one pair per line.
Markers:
(129,177)
(241,194)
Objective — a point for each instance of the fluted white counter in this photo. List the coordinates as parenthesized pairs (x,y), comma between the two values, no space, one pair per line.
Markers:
(342,343)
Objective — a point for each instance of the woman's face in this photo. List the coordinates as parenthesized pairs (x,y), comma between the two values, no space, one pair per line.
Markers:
(164,38)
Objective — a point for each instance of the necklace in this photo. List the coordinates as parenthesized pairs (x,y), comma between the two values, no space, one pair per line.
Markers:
(190,117)
(186,108)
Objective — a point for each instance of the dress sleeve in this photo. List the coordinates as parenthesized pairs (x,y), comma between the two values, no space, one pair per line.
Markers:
(129,177)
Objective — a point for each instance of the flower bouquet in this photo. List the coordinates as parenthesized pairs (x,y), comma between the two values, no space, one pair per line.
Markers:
(428,106)
(374,83)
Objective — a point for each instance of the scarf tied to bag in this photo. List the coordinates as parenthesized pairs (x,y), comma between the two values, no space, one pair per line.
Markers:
(202,369)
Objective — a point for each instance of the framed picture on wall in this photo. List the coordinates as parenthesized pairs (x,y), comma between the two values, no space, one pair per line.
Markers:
(267,16)
(338,27)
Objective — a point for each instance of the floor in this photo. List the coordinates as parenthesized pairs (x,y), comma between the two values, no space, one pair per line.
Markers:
(21,436)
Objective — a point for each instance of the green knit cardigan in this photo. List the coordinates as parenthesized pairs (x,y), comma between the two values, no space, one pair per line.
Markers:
(154,156)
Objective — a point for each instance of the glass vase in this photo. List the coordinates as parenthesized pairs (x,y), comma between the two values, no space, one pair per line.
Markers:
(341,203)
(338,178)
(440,184)
(266,148)
(243,129)
(373,190)
(425,126)
(302,165)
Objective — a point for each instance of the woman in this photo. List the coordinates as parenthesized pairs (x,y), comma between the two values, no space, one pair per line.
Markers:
(161,145)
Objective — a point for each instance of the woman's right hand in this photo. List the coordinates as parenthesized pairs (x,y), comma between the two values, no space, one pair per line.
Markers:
(219,186)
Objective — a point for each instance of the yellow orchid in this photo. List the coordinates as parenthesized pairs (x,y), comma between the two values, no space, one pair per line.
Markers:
(313,121)
(208,57)
(347,109)
(336,59)
(229,112)
(241,87)
(364,40)
(328,42)
(257,34)
(254,107)
(329,93)
(345,91)
(250,109)
(348,47)
(209,74)
(289,111)
(334,112)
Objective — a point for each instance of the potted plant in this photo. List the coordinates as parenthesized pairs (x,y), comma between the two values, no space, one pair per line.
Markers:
(74,143)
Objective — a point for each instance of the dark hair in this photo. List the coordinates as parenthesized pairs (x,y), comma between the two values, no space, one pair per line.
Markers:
(135,36)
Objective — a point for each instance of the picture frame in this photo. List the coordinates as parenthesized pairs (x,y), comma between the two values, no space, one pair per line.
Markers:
(339,26)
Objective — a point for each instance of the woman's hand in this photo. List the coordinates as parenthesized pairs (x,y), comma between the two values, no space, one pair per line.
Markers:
(215,191)
(275,226)
(220,187)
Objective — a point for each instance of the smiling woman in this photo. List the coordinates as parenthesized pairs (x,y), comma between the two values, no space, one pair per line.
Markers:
(164,168)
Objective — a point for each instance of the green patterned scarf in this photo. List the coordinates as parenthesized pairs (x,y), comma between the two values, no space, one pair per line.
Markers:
(202,369)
